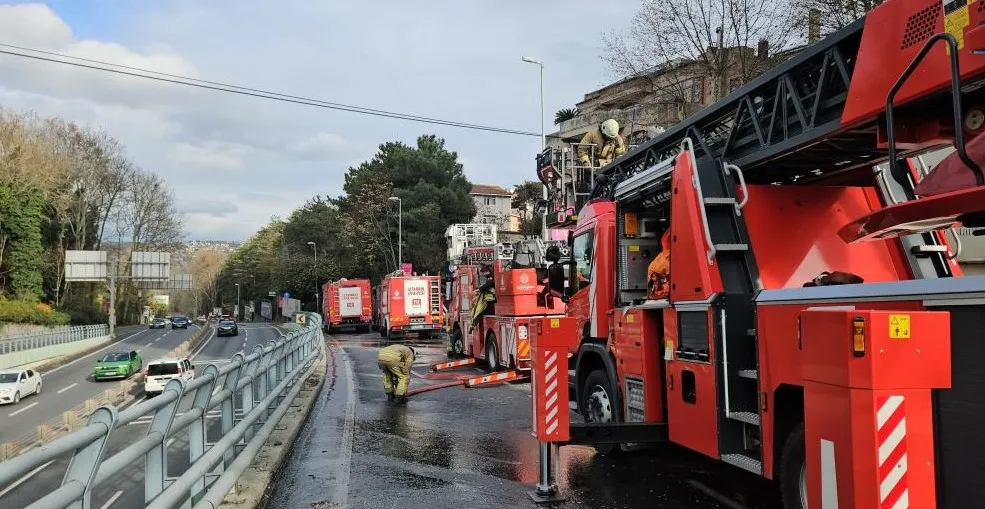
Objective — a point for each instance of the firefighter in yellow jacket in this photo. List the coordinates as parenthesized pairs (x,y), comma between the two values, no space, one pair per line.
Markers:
(607,142)
(395,362)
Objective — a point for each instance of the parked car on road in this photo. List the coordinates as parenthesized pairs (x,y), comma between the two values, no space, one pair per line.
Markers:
(160,371)
(180,322)
(17,383)
(227,328)
(118,365)
(158,323)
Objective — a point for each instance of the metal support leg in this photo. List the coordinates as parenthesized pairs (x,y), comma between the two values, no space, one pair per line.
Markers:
(228,406)
(197,429)
(86,459)
(546,491)
(156,460)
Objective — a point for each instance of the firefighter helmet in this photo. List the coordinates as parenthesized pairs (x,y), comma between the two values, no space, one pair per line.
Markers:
(610,128)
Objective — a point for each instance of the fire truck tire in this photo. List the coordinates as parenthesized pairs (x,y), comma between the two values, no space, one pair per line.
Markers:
(457,343)
(600,403)
(793,470)
(492,354)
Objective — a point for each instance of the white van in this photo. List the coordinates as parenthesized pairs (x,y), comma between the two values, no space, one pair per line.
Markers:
(160,371)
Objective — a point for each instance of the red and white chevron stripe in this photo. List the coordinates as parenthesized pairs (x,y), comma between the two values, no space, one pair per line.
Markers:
(550,393)
(891,431)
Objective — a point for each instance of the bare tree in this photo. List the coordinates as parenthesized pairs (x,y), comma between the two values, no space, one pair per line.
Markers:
(833,15)
(672,42)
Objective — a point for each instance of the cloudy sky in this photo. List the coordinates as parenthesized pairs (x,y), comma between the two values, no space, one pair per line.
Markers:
(236,161)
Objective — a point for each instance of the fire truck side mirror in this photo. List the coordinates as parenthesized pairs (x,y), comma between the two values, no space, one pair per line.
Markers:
(555,280)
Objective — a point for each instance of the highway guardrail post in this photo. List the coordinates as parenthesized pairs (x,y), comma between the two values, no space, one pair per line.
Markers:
(252,370)
(196,431)
(156,460)
(229,404)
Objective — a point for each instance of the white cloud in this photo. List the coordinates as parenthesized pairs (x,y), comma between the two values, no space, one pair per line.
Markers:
(456,60)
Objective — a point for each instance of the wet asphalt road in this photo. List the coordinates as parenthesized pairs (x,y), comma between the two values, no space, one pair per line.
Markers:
(472,448)
(127,490)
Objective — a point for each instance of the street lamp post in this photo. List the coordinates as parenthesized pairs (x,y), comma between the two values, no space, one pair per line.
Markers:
(253,295)
(317,297)
(239,312)
(400,232)
(543,138)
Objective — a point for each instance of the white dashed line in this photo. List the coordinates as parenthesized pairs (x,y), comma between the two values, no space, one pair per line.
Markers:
(67,388)
(25,408)
(112,499)
(22,480)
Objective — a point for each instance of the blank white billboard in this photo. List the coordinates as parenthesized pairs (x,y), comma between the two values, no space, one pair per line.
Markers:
(148,265)
(86,266)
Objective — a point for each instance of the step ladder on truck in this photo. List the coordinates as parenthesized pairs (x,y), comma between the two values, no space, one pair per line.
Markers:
(499,340)
(818,331)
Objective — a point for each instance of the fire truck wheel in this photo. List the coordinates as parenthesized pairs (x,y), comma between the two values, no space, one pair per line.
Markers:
(599,404)
(492,354)
(793,470)
(457,344)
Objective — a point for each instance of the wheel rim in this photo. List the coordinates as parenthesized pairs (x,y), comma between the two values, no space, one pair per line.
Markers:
(491,356)
(458,347)
(17,397)
(599,405)
(803,485)
(37,390)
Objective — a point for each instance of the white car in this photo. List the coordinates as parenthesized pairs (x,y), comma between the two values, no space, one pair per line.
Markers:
(17,383)
(159,372)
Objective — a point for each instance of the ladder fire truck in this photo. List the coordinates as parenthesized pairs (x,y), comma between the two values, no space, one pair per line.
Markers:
(408,304)
(866,393)
(347,303)
(517,272)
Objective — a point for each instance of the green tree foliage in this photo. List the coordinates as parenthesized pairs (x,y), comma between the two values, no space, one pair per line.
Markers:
(565,114)
(356,234)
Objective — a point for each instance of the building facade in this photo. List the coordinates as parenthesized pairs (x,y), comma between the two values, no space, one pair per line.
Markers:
(493,205)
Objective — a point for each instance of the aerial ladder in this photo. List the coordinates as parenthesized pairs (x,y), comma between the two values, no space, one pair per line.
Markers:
(854,110)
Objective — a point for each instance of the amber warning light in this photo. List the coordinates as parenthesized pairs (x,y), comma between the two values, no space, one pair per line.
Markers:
(858,336)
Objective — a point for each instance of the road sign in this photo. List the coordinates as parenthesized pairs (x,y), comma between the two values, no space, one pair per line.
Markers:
(147,265)
(287,295)
(86,265)
(272,294)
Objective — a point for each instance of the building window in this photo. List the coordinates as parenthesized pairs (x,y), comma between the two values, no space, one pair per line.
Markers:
(490,200)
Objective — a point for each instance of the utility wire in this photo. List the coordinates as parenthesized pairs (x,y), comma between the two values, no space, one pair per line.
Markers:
(240,90)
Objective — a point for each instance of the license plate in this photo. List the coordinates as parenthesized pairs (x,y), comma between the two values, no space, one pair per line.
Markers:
(417,326)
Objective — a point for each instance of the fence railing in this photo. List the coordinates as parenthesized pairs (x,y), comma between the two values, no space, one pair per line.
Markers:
(53,337)
(74,418)
(262,386)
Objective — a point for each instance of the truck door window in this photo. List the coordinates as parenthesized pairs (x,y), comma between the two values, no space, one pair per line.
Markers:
(582,250)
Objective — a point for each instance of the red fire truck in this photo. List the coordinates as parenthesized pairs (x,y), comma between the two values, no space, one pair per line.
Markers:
(778,198)
(409,304)
(517,272)
(347,303)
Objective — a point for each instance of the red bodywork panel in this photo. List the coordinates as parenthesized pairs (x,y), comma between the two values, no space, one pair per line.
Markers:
(693,277)
(636,347)
(794,233)
(400,311)
(347,301)
(591,305)
(892,36)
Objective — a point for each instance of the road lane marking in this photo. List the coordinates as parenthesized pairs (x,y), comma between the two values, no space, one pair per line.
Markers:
(112,499)
(345,450)
(202,346)
(25,408)
(67,388)
(80,359)
(22,480)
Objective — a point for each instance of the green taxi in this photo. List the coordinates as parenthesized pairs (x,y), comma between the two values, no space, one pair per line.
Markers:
(118,365)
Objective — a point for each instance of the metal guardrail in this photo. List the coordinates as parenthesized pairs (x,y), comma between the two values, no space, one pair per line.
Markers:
(74,418)
(54,337)
(265,382)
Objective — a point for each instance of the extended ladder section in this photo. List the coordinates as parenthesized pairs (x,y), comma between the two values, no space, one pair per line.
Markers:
(783,127)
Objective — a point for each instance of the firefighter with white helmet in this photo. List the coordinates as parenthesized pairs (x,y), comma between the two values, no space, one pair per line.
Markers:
(607,143)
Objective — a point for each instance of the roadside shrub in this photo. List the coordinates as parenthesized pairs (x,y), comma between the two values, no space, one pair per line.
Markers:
(22,311)
(86,314)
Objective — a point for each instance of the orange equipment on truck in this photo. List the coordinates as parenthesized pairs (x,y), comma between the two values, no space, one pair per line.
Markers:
(769,354)
(409,304)
(516,274)
(347,303)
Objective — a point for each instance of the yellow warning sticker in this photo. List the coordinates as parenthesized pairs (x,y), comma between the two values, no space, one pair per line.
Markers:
(634,249)
(955,22)
(555,323)
(899,326)
(630,318)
